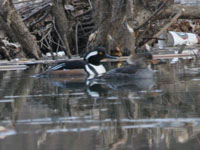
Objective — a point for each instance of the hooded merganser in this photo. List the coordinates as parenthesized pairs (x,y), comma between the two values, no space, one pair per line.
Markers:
(90,65)
(138,68)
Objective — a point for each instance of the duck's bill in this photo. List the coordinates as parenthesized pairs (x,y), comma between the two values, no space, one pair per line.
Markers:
(111,57)
(153,61)
(158,61)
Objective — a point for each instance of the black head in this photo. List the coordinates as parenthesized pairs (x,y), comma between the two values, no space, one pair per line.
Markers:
(96,55)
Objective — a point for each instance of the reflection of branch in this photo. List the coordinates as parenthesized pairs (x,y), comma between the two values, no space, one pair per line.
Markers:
(120,141)
(198,139)
(42,138)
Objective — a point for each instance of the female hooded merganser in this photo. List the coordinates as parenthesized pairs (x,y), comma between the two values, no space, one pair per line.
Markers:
(136,75)
(90,65)
(138,68)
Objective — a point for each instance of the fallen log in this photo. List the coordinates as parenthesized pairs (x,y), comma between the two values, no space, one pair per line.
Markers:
(191,12)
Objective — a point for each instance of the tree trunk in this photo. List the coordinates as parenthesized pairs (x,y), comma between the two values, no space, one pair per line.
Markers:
(62,24)
(114,20)
(16,30)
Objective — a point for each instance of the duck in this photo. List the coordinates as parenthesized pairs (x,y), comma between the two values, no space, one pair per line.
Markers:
(138,67)
(89,67)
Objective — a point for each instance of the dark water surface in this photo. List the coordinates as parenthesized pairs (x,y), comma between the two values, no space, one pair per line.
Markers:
(55,114)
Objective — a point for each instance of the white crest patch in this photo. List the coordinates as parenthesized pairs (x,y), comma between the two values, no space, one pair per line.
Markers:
(91,54)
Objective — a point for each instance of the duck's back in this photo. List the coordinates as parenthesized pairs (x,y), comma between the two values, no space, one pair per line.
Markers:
(128,72)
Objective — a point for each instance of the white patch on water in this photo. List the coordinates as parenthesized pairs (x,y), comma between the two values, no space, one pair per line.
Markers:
(43,95)
(174,121)
(6,100)
(196,79)
(170,123)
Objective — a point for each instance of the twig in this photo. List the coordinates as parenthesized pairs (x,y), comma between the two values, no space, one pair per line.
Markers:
(42,18)
(61,40)
(48,32)
(90,3)
(154,38)
(86,12)
(58,45)
(50,49)
(76,37)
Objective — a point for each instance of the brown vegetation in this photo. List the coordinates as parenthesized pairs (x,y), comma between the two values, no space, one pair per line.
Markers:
(75,26)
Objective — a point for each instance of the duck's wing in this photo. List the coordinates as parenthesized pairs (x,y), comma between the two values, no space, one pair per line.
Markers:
(129,69)
(123,73)
(75,64)
(64,65)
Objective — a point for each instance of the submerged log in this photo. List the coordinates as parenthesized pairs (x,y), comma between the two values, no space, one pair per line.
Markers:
(16,30)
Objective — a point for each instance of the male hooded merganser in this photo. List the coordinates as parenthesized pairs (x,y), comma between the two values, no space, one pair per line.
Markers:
(90,65)
(138,68)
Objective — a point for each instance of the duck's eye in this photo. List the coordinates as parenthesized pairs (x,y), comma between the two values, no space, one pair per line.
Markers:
(100,53)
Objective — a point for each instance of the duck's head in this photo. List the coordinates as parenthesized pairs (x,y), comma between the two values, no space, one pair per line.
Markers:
(96,55)
(140,59)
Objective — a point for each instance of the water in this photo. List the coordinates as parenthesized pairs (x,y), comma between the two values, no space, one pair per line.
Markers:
(56,114)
